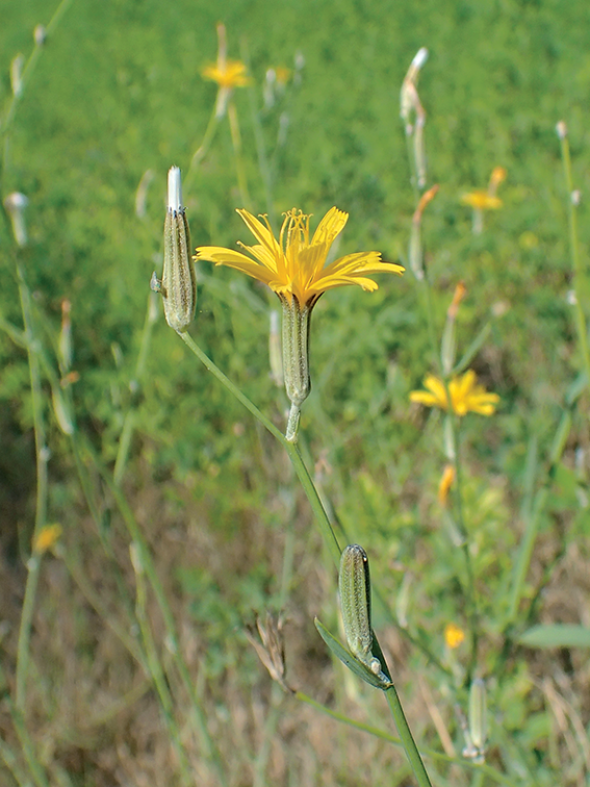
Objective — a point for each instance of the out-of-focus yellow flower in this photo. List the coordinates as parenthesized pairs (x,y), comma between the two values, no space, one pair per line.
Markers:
(454,635)
(458,296)
(294,266)
(227,73)
(498,176)
(231,73)
(446,482)
(466,395)
(47,538)
(282,74)
(481,200)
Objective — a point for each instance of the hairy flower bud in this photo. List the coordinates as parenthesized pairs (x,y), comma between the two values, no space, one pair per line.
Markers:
(354,584)
(296,319)
(178,286)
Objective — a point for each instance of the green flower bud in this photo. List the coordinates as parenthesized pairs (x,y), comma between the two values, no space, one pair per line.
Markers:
(178,286)
(355,603)
(296,319)
(478,714)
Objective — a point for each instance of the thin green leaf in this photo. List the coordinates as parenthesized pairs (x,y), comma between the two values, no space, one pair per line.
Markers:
(556,635)
(348,659)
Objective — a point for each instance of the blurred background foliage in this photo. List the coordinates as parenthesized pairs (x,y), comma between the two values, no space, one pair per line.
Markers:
(117,92)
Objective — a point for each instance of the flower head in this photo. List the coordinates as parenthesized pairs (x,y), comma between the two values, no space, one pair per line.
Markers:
(47,538)
(227,73)
(454,635)
(446,482)
(294,266)
(481,200)
(466,395)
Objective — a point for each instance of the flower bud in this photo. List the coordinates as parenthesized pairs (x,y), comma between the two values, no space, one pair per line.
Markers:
(178,285)
(296,319)
(15,204)
(16,75)
(354,584)
(478,713)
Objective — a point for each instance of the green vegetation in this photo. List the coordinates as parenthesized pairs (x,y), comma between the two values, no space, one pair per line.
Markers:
(149,518)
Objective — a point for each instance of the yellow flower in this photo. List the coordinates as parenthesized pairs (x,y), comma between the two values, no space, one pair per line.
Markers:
(446,482)
(454,635)
(481,200)
(282,74)
(498,176)
(228,74)
(466,395)
(47,538)
(294,266)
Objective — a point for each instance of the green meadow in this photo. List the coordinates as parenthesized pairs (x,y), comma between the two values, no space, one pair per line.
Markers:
(164,551)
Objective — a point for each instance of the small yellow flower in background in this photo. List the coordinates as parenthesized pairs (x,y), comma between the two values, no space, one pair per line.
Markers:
(458,296)
(481,200)
(466,395)
(446,482)
(498,176)
(454,635)
(227,73)
(294,266)
(232,73)
(47,538)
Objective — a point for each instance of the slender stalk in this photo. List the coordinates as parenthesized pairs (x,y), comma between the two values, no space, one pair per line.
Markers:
(406,737)
(202,150)
(575,255)
(453,421)
(12,764)
(313,497)
(28,749)
(41,458)
(236,139)
(291,448)
(25,79)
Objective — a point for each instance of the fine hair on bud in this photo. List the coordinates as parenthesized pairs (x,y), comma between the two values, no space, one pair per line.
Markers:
(178,286)
(354,584)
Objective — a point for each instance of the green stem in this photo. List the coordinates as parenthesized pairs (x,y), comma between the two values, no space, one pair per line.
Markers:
(471,599)
(291,448)
(453,421)
(575,255)
(405,735)
(35,768)
(237,145)
(201,151)
(41,452)
(300,467)
(26,76)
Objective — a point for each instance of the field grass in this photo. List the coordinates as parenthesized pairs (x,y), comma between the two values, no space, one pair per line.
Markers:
(125,635)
